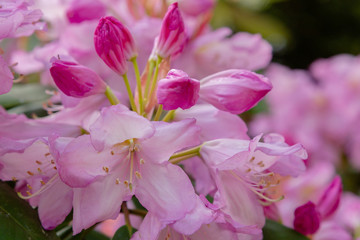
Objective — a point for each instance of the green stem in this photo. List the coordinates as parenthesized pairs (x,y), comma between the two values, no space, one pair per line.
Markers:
(169,116)
(128,89)
(154,80)
(179,159)
(110,95)
(186,153)
(158,113)
(126,212)
(138,212)
(148,78)
(138,82)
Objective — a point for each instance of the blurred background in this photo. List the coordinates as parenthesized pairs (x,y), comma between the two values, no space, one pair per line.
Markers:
(299,30)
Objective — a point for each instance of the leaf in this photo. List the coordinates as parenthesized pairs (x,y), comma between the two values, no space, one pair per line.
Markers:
(18,220)
(276,231)
(123,234)
(94,235)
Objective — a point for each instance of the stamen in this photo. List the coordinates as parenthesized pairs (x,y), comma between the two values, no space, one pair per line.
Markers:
(38,162)
(138,175)
(106,169)
(131,166)
(13,178)
(41,190)
(28,193)
(117,181)
(252,159)
(112,153)
(126,183)
(39,170)
(142,161)
(30,173)
(42,182)
(52,161)
(55,168)
(47,154)
(28,186)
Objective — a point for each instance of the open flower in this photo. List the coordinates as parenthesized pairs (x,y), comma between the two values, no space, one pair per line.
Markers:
(126,154)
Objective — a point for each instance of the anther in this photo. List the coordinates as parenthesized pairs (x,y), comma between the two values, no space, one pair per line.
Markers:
(112,152)
(260,163)
(42,182)
(126,183)
(28,193)
(30,173)
(252,159)
(55,168)
(47,154)
(142,161)
(39,170)
(52,161)
(28,186)
(138,175)
(117,181)
(38,162)
(249,170)
(106,169)
(13,178)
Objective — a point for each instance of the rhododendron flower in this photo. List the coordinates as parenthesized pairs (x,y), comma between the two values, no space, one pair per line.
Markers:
(307,219)
(235,91)
(172,36)
(114,44)
(177,90)
(76,80)
(126,154)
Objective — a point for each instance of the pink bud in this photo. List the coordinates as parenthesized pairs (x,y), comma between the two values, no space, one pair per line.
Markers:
(76,80)
(172,36)
(307,219)
(82,10)
(177,90)
(330,199)
(114,44)
(234,91)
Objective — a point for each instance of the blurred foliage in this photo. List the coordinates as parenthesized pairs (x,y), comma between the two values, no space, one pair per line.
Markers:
(299,30)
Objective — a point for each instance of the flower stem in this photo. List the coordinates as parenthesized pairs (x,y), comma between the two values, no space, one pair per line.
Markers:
(148,79)
(128,89)
(169,116)
(154,80)
(138,83)
(187,153)
(179,159)
(138,212)
(126,212)
(110,95)
(158,113)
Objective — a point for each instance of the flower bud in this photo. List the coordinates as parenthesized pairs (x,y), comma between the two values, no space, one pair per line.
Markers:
(234,91)
(177,90)
(83,10)
(307,219)
(114,44)
(76,80)
(330,199)
(172,36)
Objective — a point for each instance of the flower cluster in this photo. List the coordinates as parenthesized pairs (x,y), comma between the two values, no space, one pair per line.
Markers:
(144,110)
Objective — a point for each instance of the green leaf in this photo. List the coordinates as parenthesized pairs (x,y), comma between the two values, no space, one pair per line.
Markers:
(276,231)
(18,220)
(123,233)
(94,235)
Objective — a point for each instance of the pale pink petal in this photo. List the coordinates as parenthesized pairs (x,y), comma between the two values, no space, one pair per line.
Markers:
(330,199)
(166,191)
(149,229)
(80,164)
(6,77)
(99,201)
(117,124)
(169,138)
(55,204)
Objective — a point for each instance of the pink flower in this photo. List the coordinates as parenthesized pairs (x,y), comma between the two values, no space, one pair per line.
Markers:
(177,90)
(82,10)
(18,19)
(172,36)
(195,8)
(307,219)
(6,77)
(330,199)
(234,91)
(126,154)
(114,44)
(76,80)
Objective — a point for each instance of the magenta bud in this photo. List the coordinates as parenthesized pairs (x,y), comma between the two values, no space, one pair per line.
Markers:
(76,80)
(234,91)
(83,10)
(114,44)
(307,219)
(330,199)
(172,36)
(177,90)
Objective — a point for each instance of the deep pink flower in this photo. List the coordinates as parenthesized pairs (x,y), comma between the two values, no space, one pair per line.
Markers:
(82,10)
(234,91)
(76,80)
(6,77)
(172,36)
(114,44)
(125,154)
(177,90)
(307,219)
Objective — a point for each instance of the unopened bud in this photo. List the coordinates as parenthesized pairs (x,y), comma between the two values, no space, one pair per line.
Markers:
(76,80)
(307,219)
